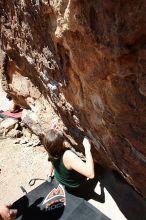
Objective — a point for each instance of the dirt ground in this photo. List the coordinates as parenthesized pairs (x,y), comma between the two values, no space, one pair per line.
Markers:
(18,165)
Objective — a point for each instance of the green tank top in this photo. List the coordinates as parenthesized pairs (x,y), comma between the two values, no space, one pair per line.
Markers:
(69,178)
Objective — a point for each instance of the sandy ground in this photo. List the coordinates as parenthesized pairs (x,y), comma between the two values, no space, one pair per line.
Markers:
(18,165)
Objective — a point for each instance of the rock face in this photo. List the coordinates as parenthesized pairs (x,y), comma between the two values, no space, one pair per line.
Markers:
(86,62)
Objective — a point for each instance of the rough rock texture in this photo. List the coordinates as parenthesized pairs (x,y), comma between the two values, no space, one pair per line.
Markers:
(86,62)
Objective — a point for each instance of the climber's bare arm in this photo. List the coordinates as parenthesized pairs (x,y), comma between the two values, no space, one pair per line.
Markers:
(73,162)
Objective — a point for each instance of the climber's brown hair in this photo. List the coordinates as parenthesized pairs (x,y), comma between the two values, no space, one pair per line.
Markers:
(53,142)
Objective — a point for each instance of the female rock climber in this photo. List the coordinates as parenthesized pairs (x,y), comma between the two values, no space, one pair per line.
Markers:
(69,169)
